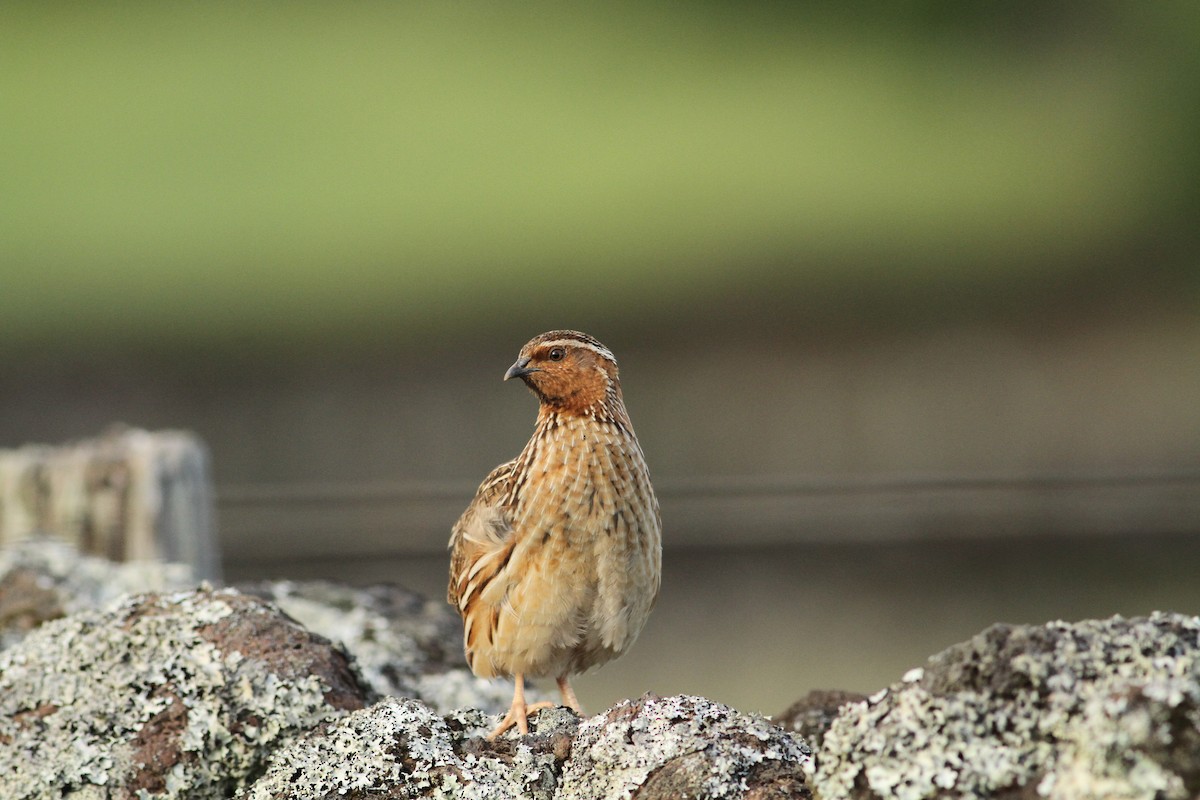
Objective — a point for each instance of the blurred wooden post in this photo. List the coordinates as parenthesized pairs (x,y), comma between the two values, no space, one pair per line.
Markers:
(129,495)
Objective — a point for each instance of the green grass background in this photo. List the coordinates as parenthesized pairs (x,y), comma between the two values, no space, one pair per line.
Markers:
(231,173)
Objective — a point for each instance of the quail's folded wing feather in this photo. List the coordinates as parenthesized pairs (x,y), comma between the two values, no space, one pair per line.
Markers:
(481,540)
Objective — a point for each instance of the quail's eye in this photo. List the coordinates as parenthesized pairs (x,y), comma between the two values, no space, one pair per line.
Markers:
(557,354)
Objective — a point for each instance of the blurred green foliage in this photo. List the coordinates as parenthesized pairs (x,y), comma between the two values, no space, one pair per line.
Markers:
(233,172)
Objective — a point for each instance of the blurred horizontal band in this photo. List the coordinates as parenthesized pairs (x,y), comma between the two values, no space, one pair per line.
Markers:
(712,486)
(264,522)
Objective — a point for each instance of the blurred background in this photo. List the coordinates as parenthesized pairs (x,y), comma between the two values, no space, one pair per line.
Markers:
(906,296)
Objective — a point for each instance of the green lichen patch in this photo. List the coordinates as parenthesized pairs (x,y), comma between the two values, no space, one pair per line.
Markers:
(1095,709)
(160,696)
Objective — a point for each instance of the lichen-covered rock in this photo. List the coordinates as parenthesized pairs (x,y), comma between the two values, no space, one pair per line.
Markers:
(650,748)
(810,716)
(1095,709)
(401,748)
(43,579)
(682,746)
(171,696)
(404,644)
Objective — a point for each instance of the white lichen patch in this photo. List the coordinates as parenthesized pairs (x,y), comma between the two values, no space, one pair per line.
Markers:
(87,700)
(79,582)
(615,753)
(1096,709)
(403,748)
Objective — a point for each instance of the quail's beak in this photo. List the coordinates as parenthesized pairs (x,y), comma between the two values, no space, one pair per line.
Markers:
(520,369)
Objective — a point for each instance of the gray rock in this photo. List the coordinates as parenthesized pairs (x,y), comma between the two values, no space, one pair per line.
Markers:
(1095,709)
(164,696)
(682,746)
(403,644)
(650,748)
(43,579)
(209,693)
(810,716)
(401,748)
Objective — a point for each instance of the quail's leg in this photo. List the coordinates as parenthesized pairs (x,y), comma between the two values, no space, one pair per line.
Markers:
(518,712)
(568,695)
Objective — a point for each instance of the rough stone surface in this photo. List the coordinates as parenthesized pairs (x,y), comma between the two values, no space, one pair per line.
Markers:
(1095,709)
(44,579)
(401,748)
(650,748)
(683,746)
(403,644)
(179,695)
(206,694)
(810,716)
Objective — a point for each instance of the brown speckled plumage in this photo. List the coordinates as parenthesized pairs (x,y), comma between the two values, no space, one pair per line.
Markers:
(555,564)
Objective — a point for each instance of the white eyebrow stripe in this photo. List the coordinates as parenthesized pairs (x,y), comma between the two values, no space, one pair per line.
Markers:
(599,350)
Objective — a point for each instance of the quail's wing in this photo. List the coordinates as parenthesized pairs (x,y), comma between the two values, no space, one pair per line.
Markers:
(481,540)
